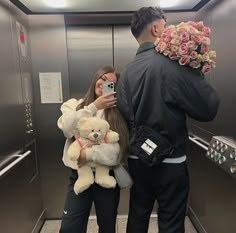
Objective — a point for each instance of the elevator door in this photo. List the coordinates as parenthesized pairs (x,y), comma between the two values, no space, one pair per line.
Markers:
(125,46)
(89,48)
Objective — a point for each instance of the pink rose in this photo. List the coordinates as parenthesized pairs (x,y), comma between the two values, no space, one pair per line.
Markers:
(184,60)
(193,24)
(200,25)
(169,45)
(181,29)
(205,40)
(183,49)
(167,39)
(184,36)
(204,48)
(193,31)
(157,48)
(206,68)
(196,39)
(173,56)
(163,46)
(194,64)
(206,31)
(193,55)
(191,45)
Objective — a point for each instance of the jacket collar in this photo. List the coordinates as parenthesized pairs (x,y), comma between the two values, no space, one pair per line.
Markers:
(145,46)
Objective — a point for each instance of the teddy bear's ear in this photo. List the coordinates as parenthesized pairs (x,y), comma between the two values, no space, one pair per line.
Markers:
(76,133)
(82,120)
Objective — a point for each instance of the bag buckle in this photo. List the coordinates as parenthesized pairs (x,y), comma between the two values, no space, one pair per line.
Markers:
(149,146)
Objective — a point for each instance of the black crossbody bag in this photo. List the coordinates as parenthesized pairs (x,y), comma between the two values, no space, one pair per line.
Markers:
(147,144)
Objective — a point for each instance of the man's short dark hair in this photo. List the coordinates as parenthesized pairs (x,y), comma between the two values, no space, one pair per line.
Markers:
(143,17)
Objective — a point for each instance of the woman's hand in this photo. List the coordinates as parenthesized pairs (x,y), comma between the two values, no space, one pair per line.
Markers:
(105,101)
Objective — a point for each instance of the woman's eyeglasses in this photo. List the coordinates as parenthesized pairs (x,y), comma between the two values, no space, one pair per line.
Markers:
(104,78)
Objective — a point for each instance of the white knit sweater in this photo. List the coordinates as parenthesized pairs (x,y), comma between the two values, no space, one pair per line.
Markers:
(106,154)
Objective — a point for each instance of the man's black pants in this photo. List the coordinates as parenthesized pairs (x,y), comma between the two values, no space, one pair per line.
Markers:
(168,184)
(77,208)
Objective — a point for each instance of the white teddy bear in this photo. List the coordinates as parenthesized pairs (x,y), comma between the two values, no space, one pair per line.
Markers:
(92,131)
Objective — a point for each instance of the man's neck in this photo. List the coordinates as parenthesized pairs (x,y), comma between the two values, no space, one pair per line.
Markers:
(143,40)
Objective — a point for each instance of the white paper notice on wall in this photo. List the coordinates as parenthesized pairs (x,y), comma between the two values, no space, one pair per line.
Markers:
(50,87)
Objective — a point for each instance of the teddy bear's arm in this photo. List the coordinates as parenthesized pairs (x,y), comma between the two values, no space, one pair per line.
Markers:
(112,136)
(74,151)
(105,153)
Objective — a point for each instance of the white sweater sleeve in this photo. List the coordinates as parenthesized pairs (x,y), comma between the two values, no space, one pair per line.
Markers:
(70,116)
(106,154)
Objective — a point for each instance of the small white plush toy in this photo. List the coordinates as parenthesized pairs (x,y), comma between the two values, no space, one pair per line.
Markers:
(92,131)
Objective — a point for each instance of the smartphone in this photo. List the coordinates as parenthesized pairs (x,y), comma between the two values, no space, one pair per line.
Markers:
(108,87)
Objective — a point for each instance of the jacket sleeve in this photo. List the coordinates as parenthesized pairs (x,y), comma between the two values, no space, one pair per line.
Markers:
(190,91)
(70,116)
(121,94)
(105,153)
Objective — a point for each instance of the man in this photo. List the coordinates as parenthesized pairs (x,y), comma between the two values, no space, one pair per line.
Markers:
(161,94)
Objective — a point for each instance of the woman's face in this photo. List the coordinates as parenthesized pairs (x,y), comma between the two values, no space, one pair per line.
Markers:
(111,77)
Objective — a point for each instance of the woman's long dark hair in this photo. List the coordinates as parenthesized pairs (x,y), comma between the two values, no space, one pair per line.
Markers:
(112,115)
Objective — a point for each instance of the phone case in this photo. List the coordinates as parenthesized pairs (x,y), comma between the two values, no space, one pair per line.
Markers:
(108,87)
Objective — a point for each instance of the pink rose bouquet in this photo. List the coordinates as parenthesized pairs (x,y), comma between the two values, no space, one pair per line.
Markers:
(188,43)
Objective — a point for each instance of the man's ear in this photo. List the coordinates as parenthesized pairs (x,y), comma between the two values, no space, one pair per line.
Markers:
(154,30)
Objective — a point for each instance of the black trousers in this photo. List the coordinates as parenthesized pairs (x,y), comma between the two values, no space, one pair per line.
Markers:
(168,184)
(77,208)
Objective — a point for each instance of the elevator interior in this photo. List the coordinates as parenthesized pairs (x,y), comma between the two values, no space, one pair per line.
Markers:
(76,45)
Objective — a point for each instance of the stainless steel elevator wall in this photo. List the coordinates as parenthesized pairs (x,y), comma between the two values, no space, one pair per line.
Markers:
(11,102)
(212,197)
(220,16)
(20,196)
(212,194)
(49,54)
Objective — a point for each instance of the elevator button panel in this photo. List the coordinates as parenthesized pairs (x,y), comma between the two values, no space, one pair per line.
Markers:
(222,151)
(28,117)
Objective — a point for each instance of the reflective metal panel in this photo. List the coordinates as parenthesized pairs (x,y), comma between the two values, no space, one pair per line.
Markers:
(49,54)
(11,102)
(125,46)
(221,17)
(89,48)
(212,194)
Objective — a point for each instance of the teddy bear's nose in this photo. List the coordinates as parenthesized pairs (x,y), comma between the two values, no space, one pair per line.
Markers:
(95,135)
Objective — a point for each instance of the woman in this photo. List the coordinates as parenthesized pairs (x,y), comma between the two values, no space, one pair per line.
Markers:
(77,207)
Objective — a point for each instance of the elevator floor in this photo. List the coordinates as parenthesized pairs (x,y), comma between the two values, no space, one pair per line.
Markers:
(52,226)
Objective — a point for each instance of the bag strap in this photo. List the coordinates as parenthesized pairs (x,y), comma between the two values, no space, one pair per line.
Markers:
(131,110)
(133,122)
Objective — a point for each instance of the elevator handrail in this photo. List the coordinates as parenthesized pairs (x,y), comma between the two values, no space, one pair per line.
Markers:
(14,163)
(197,141)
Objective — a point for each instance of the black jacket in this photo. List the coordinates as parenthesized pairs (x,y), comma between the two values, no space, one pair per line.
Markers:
(162,93)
